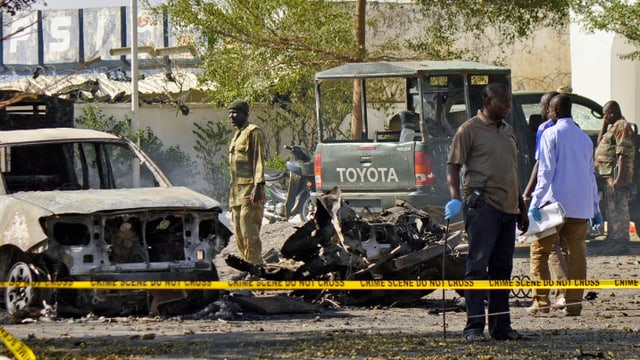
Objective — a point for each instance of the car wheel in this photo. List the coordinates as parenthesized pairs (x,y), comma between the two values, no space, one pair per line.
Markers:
(23,299)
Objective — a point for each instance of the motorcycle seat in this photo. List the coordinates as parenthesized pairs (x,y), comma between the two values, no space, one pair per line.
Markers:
(272,174)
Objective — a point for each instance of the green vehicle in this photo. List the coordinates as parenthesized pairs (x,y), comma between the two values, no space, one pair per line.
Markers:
(411,111)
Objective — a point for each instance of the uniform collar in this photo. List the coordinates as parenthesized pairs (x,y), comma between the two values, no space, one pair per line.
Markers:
(488,122)
(566,119)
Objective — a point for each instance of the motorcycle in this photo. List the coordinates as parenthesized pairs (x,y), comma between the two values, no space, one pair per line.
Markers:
(288,194)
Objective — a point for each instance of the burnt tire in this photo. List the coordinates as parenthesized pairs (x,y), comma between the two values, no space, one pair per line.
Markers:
(24,300)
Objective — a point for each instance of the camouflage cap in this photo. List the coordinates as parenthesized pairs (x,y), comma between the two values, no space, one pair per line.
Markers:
(239,105)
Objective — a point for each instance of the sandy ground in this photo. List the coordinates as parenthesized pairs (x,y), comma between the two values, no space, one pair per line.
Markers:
(609,327)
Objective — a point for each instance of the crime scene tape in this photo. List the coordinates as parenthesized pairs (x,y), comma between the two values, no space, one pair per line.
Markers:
(19,350)
(334,284)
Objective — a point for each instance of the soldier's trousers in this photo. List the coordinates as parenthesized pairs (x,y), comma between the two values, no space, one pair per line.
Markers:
(247,220)
(617,203)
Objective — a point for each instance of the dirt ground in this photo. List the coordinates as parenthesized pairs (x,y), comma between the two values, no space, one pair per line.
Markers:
(609,327)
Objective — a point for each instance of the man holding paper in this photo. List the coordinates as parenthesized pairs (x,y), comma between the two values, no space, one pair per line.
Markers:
(565,175)
(544,255)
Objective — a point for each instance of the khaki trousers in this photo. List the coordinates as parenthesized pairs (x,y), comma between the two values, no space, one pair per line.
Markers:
(247,220)
(573,232)
(545,253)
(617,203)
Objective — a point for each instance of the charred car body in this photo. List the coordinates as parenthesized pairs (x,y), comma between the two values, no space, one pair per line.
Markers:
(70,209)
(400,243)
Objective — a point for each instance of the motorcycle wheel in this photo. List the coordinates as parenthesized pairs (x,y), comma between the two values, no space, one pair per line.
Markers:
(307,211)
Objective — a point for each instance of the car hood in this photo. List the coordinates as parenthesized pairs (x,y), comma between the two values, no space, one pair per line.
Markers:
(91,201)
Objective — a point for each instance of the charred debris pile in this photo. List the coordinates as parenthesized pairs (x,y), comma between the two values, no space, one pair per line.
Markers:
(400,243)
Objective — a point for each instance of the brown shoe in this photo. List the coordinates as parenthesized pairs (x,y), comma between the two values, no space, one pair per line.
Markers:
(533,310)
(565,313)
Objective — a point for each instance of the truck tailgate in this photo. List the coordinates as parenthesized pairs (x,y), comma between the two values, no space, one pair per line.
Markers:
(367,167)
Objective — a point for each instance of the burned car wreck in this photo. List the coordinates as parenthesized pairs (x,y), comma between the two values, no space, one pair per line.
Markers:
(400,243)
(71,210)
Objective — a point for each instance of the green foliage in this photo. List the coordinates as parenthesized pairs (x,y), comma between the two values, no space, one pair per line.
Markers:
(212,142)
(253,48)
(93,118)
(12,7)
(499,22)
(288,121)
(276,162)
(619,16)
(175,163)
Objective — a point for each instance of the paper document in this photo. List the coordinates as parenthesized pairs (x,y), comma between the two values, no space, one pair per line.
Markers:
(552,216)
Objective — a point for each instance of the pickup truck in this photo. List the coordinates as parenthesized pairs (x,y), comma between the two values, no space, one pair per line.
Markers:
(402,153)
(411,111)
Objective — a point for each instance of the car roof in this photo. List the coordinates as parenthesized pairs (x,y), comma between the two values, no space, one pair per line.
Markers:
(405,69)
(53,134)
(536,94)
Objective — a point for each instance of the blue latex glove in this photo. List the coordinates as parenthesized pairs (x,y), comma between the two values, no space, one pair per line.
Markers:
(452,208)
(534,212)
(596,220)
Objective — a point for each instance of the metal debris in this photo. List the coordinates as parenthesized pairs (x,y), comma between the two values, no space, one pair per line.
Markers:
(401,243)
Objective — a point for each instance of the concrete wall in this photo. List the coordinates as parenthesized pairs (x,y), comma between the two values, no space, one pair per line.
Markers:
(542,61)
(599,73)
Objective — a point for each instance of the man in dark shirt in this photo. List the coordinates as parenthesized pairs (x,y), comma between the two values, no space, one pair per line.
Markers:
(486,146)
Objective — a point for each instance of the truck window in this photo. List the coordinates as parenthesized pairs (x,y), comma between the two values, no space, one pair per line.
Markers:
(385,98)
(444,104)
(583,116)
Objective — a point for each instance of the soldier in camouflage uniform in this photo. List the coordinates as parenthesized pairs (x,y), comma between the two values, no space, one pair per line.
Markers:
(614,162)
(246,195)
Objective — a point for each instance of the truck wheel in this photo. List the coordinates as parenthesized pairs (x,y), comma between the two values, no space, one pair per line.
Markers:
(22,299)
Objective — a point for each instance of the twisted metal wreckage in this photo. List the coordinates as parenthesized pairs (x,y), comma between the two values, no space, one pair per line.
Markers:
(400,243)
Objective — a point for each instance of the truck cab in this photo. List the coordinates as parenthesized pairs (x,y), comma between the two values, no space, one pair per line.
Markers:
(411,111)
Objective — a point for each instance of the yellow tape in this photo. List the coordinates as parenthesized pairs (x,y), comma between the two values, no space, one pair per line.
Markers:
(335,284)
(17,347)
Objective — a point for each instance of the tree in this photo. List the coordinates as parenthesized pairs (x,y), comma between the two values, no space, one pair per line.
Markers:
(254,48)
(619,16)
(12,7)
(495,23)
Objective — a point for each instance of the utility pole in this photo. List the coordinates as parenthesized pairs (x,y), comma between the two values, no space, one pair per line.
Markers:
(356,113)
(134,87)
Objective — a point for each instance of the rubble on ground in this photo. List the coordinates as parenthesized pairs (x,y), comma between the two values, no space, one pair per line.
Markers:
(400,243)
